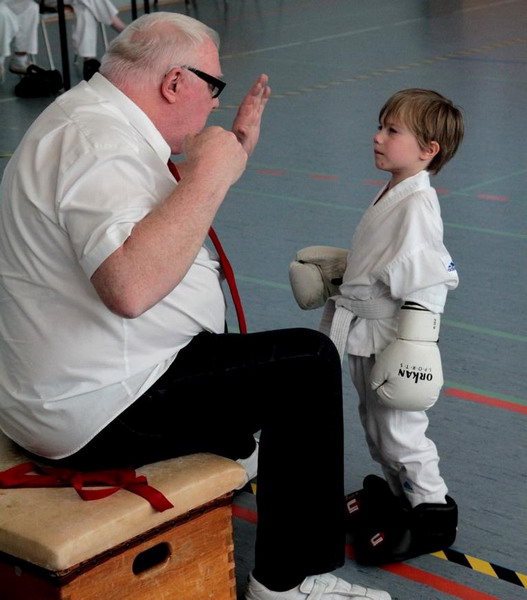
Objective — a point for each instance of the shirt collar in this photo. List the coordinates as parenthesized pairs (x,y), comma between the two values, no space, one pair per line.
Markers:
(419,181)
(136,117)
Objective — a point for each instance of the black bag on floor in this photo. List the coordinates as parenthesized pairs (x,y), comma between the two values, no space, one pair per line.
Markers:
(38,83)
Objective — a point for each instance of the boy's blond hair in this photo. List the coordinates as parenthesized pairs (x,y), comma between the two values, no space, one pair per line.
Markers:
(430,117)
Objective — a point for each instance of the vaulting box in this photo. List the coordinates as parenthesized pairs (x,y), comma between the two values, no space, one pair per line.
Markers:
(55,546)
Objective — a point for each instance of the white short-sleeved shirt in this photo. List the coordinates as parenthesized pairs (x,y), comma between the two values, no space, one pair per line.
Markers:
(397,252)
(89,168)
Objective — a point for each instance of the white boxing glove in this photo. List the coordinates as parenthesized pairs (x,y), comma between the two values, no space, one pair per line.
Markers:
(408,375)
(316,273)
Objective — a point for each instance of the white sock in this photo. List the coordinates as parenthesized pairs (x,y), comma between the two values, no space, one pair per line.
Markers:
(250,464)
(21,60)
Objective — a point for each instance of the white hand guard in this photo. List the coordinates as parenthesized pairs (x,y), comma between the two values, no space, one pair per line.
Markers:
(316,274)
(408,374)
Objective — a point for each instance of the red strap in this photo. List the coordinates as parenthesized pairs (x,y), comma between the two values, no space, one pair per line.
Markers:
(225,265)
(29,475)
(231,280)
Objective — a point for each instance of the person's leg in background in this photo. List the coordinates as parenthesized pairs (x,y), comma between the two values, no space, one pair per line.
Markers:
(8,29)
(105,12)
(18,25)
(88,14)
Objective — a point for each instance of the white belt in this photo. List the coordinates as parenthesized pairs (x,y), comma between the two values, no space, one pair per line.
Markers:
(339,313)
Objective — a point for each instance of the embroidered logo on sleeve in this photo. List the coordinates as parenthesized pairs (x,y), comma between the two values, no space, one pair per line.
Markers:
(451,267)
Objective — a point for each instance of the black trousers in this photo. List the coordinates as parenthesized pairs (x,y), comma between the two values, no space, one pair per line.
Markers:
(219,391)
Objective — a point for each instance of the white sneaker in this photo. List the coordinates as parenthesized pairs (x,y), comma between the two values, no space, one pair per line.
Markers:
(316,587)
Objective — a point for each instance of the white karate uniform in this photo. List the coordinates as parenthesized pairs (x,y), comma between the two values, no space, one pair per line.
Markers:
(18,24)
(88,15)
(397,255)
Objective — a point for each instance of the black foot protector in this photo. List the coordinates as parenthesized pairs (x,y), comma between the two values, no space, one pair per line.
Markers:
(386,529)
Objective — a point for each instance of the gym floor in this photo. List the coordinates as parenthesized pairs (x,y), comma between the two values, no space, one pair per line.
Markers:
(332,64)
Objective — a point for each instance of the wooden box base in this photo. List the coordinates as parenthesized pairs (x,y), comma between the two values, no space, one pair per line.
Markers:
(190,558)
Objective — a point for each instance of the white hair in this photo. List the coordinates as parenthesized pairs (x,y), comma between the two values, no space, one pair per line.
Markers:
(152,44)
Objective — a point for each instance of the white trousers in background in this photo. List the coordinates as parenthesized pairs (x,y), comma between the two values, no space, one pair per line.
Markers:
(88,15)
(18,24)
(397,441)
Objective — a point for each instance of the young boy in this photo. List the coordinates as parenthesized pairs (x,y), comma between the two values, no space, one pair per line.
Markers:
(394,289)
(385,315)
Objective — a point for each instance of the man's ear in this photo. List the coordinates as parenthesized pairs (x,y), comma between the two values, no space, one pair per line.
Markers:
(431,150)
(169,85)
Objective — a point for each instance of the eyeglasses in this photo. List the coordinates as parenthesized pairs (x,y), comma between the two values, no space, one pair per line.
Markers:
(216,85)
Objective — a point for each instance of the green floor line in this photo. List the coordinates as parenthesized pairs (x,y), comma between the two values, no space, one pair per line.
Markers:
(297,200)
(349,208)
(485,330)
(509,234)
(456,324)
(264,282)
(477,186)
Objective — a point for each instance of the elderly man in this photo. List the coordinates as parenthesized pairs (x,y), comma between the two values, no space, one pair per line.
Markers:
(112,321)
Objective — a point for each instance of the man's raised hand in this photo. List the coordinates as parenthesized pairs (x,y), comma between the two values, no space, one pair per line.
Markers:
(246,124)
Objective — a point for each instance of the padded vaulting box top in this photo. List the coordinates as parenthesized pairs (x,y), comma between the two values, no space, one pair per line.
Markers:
(55,529)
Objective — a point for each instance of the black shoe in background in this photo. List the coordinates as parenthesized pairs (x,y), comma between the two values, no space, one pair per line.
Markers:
(90,67)
(48,7)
